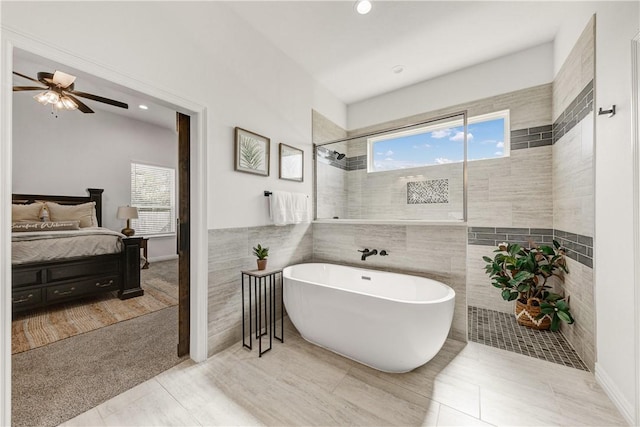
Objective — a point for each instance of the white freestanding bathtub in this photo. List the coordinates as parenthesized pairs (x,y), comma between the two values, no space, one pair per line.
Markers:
(390,322)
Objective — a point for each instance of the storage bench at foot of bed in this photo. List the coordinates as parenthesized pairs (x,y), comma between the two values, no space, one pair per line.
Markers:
(51,282)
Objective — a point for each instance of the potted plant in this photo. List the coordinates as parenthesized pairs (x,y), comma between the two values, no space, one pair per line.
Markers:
(522,275)
(262,254)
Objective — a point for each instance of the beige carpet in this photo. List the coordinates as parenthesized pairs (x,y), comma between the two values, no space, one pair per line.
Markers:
(40,327)
(56,382)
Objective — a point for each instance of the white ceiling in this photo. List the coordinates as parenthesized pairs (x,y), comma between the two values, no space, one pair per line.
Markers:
(352,55)
(29,64)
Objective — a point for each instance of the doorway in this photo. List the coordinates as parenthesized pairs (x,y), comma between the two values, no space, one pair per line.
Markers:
(196,231)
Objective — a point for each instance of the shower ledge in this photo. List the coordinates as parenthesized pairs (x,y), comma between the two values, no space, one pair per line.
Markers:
(450,223)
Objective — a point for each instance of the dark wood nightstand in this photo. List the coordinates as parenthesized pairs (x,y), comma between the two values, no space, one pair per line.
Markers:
(144,247)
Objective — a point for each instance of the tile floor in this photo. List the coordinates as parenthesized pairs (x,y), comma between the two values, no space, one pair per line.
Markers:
(298,383)
(501,330)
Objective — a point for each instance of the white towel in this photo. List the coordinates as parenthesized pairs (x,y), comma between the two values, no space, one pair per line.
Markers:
(289,208)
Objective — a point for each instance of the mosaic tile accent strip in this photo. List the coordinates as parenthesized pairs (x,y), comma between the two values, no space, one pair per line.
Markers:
(500,330)
(357,162)
(576,111)
(492,236)
(538,136)
(431,191)
(579,248)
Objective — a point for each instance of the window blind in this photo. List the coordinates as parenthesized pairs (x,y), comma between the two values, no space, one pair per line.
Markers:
(153,193)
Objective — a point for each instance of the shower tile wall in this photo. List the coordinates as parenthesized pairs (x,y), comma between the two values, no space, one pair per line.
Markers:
(512,191)
(230,252)
(433,251)
(573,186)
(528,107)
(383,195)
(579,285)
(332,194)
(331,197)
(576,73)
(573,179)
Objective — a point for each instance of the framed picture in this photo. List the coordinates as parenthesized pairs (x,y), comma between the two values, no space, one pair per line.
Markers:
(291,163)
(252,152)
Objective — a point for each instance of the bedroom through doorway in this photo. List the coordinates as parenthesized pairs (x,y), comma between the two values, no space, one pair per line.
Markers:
(89,324)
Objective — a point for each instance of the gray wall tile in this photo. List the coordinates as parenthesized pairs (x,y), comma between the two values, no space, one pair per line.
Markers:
(230,252)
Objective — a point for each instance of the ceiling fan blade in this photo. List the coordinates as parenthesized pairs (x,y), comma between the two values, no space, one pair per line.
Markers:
(63,80)
(81,106)
(100,99)
(45,78)
(26,77)
(21,88)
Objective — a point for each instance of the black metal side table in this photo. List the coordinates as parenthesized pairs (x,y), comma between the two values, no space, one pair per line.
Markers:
(263,285)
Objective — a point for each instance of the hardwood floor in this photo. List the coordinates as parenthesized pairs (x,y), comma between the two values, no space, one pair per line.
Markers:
(298,383)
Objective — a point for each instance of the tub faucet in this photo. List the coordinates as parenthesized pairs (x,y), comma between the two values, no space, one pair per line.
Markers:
(366,252)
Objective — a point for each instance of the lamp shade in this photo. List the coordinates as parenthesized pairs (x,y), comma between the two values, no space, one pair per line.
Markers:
(127,212)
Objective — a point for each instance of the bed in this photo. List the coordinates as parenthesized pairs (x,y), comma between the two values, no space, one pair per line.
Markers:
(39,282)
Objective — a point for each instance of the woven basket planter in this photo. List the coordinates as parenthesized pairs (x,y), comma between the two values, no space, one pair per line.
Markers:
(526,315)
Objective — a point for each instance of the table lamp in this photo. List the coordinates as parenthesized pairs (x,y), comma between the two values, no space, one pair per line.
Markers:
(128,213)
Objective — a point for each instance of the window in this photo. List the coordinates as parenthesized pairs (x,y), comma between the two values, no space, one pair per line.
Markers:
(487,138)
(153,193)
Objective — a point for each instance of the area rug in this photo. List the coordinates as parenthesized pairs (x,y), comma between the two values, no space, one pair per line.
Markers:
(57,382)
(40,327)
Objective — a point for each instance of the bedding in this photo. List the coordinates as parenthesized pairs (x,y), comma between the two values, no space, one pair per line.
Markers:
(38,246)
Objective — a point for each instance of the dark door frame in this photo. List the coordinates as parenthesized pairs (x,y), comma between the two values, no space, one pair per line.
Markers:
(183,231)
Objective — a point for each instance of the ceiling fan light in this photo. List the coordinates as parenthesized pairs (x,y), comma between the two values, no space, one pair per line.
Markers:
(68,103)
(48,97)
(63,79)
(41,98)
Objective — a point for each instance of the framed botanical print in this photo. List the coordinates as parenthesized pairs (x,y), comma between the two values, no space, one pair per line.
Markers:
(251,152)
(291,163)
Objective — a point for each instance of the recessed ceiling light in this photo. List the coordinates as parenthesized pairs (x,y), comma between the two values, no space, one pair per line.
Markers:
(398,69)
(363,7)
(143,107)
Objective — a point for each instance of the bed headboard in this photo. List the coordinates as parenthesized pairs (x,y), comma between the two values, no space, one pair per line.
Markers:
(95,195)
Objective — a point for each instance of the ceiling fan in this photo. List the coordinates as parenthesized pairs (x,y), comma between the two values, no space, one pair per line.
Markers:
(59,92)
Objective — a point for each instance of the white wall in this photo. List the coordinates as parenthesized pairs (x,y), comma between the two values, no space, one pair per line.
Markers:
(68,154)
(528,68)
(209,56)
(616,25)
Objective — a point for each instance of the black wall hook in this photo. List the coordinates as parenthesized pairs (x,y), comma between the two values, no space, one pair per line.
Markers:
(611,112)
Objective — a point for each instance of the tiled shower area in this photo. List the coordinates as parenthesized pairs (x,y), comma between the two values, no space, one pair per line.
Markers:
(557,160)
(540,191)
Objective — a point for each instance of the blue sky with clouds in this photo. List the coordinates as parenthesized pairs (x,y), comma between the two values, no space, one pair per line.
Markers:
(440,146)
